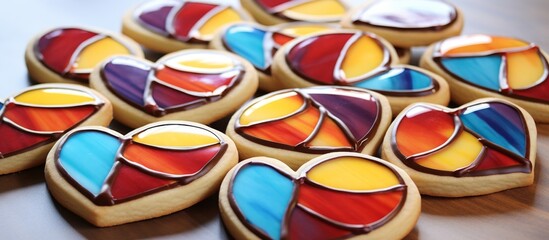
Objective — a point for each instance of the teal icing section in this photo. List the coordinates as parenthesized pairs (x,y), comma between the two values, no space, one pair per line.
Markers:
(247,42)
(88,156)
(263,194)
(398,79)
(481,71)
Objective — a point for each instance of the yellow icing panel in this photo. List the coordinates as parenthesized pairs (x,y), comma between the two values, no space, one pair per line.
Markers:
(478,43)
(362,57)
(202,62)
(54,96)
(175,136)
(459,154)
(274,107)
(316,9)
(216,22)
(96,52)
(353,173)
(524,69)
(303,30)
(329,135)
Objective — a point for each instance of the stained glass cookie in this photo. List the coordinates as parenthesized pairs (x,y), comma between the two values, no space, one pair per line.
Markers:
(296,125)
(482,147)
(68,54)
(493,66)
(33,119)
(194,85)
(334,196)
(258,44)
(356,59)
(271,12)
(172,25)
(407,23)
(110,179)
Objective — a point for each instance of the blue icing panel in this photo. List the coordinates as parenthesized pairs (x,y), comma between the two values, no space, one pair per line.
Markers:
(262,194)
(499,124)
(481,71)
(247,42)
(88,157)
(1,106)
(398,79)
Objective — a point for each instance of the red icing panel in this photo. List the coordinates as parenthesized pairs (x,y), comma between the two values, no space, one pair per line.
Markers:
(48,119)
(316,58)
(179,162)
(14,139)
(305,226)
(188,16)
(268,4)
(130,182)
(166,97)
(495,160)
(351,208)
(196,82)
(537,92)
(281,39)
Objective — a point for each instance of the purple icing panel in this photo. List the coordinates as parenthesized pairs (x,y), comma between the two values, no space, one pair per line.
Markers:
(169,98)
(127,78)
(155,16)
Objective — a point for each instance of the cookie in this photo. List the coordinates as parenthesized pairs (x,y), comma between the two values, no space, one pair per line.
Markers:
(258,44)
(404,55)
(172,25)
(485,146)
(33,119)
(296,125)
(407,23)
(281,11)
(110,179)
(356,59)
(491,66)
(68,54)
(194,85)
(334,196)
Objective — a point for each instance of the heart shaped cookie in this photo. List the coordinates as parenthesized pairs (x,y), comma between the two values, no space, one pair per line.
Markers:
(357,59)
(258,44)
(172,25)
(270,12)
(296,125)
(32,120)
(68,54)
(334,196)
(482,147)
(195,85)
(110,179)
(491,66)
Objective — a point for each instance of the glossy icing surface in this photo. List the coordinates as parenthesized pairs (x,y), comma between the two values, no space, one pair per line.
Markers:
(275,205)
(490,134)
(258,44)
(39,115)
(304,10)
(405,14)
(186,21)
(311,119)
(73,52)
(180,82)
(504,65)
(153,158)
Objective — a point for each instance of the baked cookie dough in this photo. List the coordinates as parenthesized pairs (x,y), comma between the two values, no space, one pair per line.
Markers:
(485,146)
(33,119)
(481,65)
(356,59)
(172,25)
(258,44)
(334,196)
(275,12)
(110,179)
(296,125)
(68,54)
(194,85)
(407,23)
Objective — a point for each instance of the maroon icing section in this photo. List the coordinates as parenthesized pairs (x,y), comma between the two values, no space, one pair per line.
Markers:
(18,140)
(269,4)
(539,91)
(316,57)
(130,182)
(358,114)
(167,98)
(187,17)
(56,48)
(302,225)
(156,16)
(494,160)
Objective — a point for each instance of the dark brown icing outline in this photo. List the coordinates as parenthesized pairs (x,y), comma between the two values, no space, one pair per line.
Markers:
(293,202)
(104,198)
(524,167)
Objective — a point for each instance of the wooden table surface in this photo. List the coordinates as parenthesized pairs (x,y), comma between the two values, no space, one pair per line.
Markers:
(27,211)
